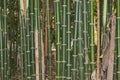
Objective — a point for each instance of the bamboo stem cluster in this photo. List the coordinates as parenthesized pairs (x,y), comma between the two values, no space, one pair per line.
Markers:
(27,41)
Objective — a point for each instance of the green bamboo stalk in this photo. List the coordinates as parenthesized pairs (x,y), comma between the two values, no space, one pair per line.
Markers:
(92,53)
(5,38)
(80,48)
(57,24)
(105,3)
(21,48)
(28,42)
(74,63)
(63,62)
(32,49)
(1,45)
(21,35)
(24,49)
(85,39)
(109,11)
(49,40)
(118,39)
(68,75)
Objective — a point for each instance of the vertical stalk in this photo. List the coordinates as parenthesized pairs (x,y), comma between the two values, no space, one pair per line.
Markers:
(118,39)
(21,37)
(98,40)
(49,40)
(57,22)
(92,53)
(80,48)
(28,42)
(39,44)
(68,75)
(32,49)
(5,39)
(85,39)
(104,15)
(36,39)
(64,7)
(74,65)
(1,46)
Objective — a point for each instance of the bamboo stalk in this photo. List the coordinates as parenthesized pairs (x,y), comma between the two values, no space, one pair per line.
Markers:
(36,39)
(57,27)
(39,44)
(63,62)
(5,39)
(80,48)
(28,42)
(85,39)
(104,21)
(68,75)
(32,40)
(21,35)
(92,53)
(74,64)
(98,40)
(1,45)
(49,40)
(118,39)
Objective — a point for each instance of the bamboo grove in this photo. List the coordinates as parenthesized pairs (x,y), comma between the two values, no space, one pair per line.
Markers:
(59,39)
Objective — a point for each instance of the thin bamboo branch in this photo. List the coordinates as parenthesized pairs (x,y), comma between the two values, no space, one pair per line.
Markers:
(98,40)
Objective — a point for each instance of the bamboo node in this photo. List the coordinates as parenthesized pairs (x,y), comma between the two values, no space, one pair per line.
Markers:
(28,77)
(63,61)
(64,5)
(74,69)
(85,32)
(85,12)
(68,49)
(118,72)
(80,54)
(68,13)
(68,65)
(31,13)
(69,78)
(92,62)
(64,44)
(117,17)
(68,32)
(76,21)
(64,26)
(92,24)
(74,55)
(58,61)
